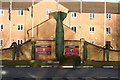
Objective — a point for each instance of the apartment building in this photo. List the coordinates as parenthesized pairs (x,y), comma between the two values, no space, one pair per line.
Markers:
(97,22)
(21,19)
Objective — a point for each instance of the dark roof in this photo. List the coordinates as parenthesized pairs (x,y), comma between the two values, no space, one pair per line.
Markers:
(17,5)
(88,7)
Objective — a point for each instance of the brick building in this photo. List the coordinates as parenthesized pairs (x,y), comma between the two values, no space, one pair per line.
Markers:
(90,20)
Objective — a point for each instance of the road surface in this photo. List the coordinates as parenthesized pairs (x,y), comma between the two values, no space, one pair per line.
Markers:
(59,74)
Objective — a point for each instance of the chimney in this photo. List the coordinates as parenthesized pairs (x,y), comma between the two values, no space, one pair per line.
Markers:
(50,15)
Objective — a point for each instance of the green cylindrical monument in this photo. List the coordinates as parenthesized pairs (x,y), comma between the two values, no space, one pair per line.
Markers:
(59,17)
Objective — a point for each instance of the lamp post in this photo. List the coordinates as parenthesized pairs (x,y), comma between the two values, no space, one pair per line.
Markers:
(32,14)
(10,18)
(104,55)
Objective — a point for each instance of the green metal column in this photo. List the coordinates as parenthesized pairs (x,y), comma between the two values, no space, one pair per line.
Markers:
(107,50)
(85,51)
(59,17)
(107,54)
(33,50)
(14,50)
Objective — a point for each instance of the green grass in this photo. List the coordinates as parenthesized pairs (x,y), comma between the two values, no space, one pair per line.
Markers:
(67,60)
(95,63)
(22,63)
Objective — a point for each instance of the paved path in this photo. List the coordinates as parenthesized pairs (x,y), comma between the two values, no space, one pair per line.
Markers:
(56,73)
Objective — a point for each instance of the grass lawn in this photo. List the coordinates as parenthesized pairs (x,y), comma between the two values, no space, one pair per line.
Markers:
(22,63)
(102,63)
(42,63)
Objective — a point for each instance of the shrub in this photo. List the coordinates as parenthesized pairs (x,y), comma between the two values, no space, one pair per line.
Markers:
(70,60)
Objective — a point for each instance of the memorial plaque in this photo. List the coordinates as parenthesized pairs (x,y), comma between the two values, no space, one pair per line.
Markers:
(43,49)
(71,50)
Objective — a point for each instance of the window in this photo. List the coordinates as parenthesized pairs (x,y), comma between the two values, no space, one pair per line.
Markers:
(74,15)
(92,29)
(74,28)
(20,42)
(47,12)
(20,13)
(108,30)
(108,16)
(20,27)
(1,27)
(91,16)
(1,42)
(93,42)
(1,12)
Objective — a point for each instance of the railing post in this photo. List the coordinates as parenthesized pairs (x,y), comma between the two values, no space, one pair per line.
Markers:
(37,32)
(33,51)
(82,40)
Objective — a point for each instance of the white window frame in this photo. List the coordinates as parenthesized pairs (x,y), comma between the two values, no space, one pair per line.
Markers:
(1,13)
(108,16)
(47,12)
(21,41)
(73,27)
(92,16)
(72,14)
(0,27)
(19,12)
(90,28)
(20,27)
(110,31)
(2,42)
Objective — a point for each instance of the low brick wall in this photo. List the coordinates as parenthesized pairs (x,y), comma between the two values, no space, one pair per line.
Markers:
(24,53)
(6,54)
(93,52)
(114,55)
(97,53)
(52,43)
